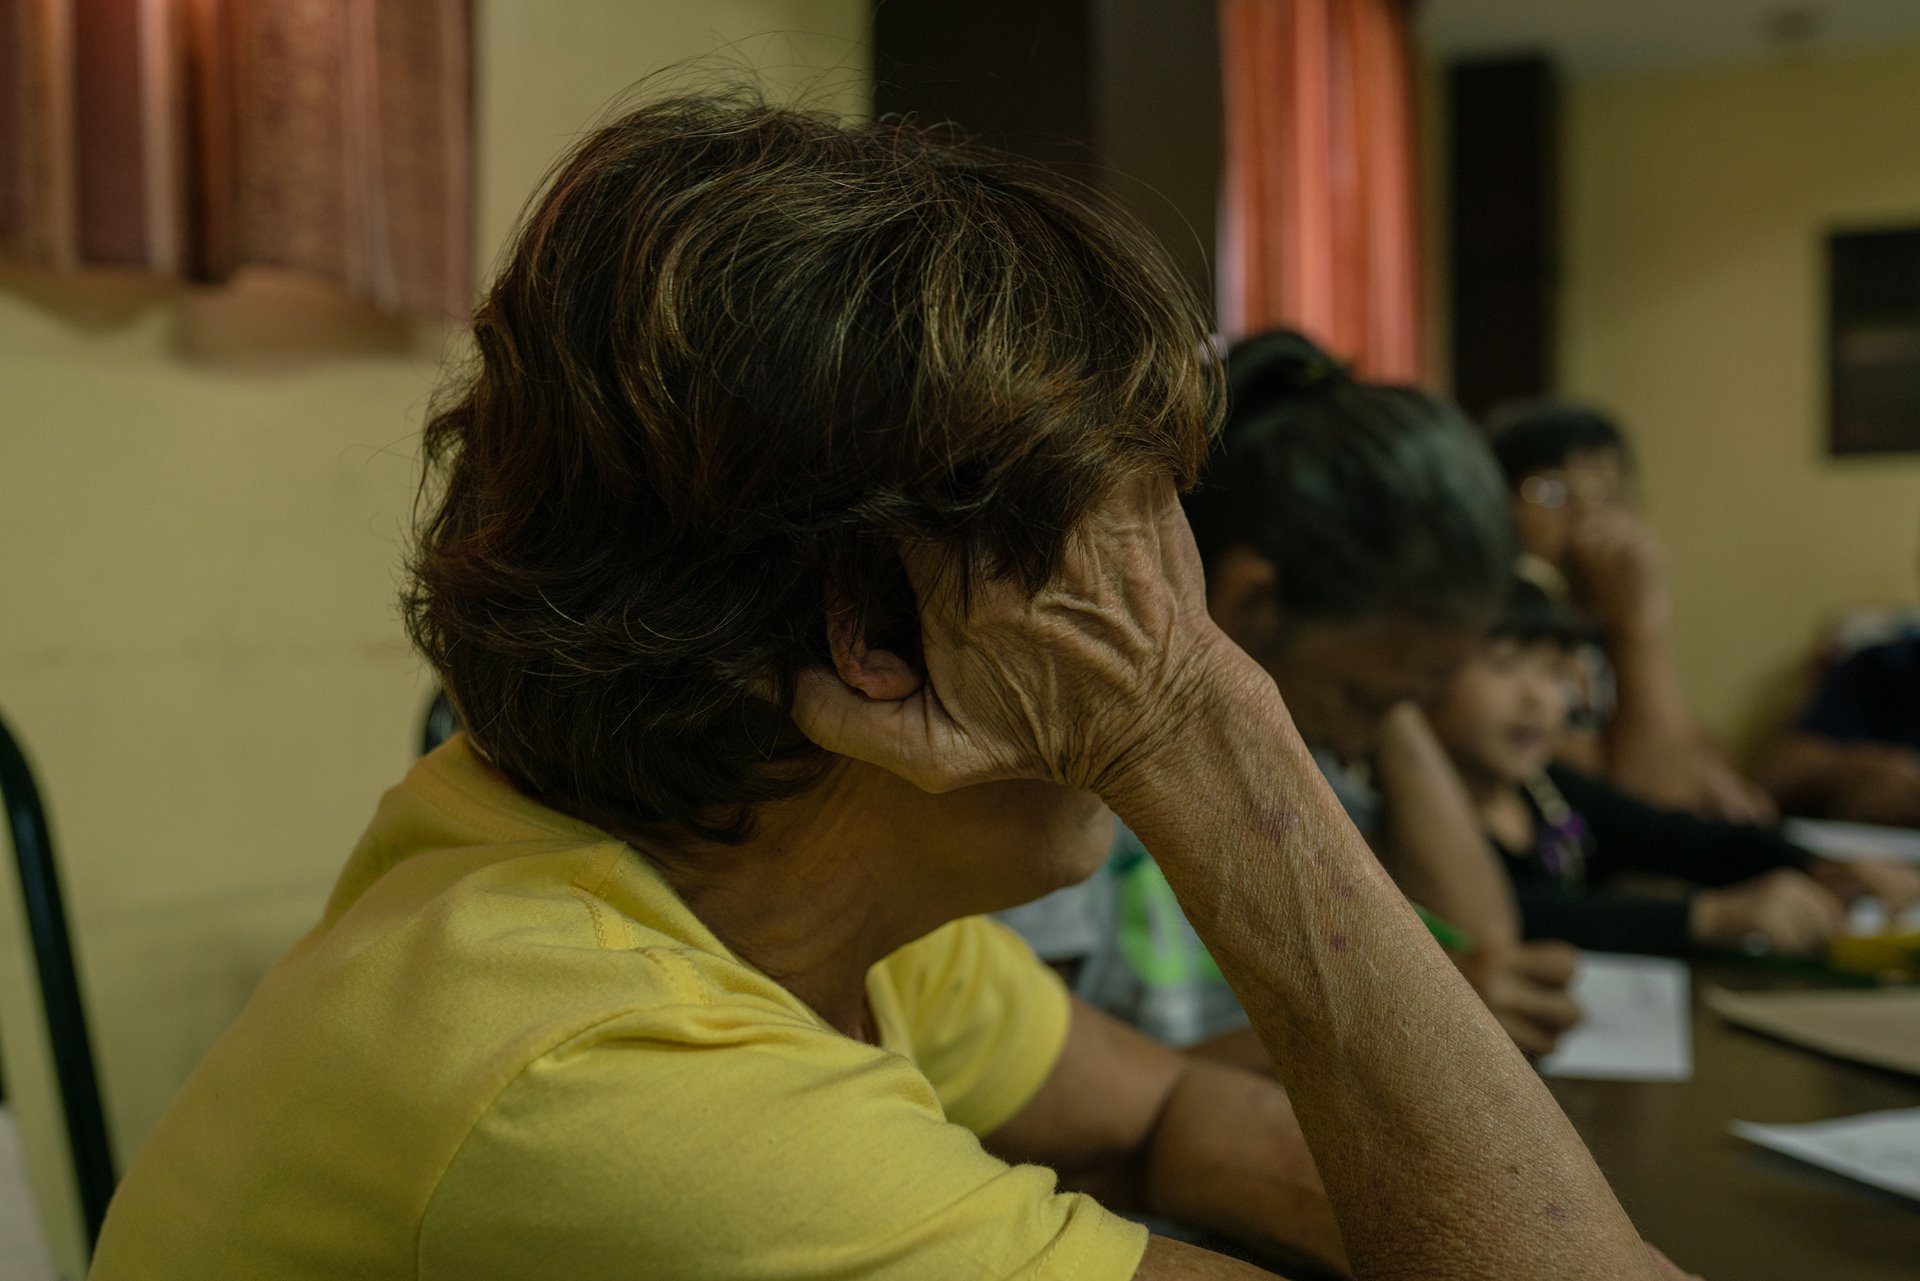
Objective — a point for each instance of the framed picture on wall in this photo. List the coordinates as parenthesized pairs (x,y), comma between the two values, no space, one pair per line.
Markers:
(1873,341)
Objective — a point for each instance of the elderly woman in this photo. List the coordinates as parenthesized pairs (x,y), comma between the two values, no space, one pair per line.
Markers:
(805,560)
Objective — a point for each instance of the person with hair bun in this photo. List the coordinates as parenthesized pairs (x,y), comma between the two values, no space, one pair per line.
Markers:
(803,554)
(1355,541)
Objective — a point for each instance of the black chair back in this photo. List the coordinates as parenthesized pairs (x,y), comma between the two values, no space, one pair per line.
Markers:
(66,1015)
(441,724)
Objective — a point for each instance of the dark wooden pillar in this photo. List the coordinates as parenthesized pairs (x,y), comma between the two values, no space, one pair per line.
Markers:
(1503,178)
(1124,94)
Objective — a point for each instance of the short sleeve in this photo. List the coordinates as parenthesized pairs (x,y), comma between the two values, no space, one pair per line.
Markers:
(761,1154)
(986,1019)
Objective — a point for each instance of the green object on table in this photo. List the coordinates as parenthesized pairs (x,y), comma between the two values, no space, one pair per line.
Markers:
(1800,967)
(1451,936)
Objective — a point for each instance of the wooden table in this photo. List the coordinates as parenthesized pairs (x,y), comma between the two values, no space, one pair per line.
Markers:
(1721,1206)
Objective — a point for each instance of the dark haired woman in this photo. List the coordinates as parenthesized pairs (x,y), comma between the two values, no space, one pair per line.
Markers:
(806,565)
(1355,541)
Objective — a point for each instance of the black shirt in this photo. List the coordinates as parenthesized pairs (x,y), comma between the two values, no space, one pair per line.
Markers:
(1589,832)
(1872,697)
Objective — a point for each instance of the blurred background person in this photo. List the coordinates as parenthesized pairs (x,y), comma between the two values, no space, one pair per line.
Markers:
(1854,752)
(1571,471)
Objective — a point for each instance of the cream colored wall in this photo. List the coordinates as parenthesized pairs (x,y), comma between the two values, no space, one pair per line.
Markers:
(1696,210)
(202,501)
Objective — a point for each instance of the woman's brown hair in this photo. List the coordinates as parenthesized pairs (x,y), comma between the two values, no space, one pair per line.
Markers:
(735,357)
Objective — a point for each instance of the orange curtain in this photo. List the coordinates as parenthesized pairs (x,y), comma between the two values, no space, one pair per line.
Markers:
(200,137)
(1319,219)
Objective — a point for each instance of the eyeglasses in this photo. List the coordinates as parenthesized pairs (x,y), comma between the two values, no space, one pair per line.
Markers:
(1558,488)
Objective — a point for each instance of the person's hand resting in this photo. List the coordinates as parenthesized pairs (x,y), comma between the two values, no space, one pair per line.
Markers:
(1526,987)
(1896,885)
(1068,684)
(1617,573)
(1784,911)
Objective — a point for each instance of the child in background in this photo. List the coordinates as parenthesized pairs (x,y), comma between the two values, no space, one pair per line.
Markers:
(1564,835)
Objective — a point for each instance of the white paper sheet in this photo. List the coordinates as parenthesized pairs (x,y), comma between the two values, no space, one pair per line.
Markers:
(23,1247)
(1844,841)
(1636,1026)
(1881,1148)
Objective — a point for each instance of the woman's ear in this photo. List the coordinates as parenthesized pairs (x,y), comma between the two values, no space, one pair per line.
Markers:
(1243,595)
(880,674)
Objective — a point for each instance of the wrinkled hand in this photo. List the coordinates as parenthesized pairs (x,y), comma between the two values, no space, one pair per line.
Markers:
(1617,571)
(1070,685)
(1525,986)
(1787,910)
(1896,885)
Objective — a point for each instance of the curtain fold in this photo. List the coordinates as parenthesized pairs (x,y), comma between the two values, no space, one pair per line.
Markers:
(202,137)
(1319,211)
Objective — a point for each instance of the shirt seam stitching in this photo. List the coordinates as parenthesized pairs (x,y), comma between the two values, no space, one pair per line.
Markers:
(591,896)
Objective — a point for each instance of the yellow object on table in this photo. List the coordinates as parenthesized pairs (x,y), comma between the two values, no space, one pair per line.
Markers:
(1877,954)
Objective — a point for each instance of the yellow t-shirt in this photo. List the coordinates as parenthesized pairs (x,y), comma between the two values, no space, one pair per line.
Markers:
(508,1050)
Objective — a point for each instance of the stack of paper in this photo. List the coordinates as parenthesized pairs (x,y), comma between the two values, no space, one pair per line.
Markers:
(1877,1028)
(1635,1026)
(1881,1148)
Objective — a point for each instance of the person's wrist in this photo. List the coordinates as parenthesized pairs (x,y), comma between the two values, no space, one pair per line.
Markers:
(1217,690)
(1704,923)
(1635,622)
(1405,738)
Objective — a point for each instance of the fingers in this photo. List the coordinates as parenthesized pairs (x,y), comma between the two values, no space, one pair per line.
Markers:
(1899,889)
(1845,881)
(1788,911)
(1527,992)
(1799,916)
(904,735)
(842,719)
(1895,885)
(1548,1008)
(1759,804)
(1740,803)
(1532,1040)
(1550,962)
(1829,913)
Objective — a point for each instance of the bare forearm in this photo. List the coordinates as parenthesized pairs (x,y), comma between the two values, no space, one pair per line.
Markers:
(1802,772)
(1433,844)
(1227,1155)
(1358,1006)
(1866,782)
(1651,739)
